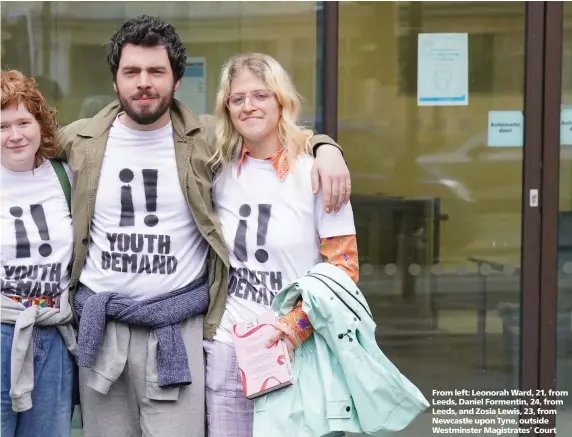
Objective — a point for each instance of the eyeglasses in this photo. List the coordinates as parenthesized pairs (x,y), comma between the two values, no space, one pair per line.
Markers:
(256,97)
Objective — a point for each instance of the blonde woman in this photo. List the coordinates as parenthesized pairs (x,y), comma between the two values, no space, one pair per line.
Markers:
(274,226)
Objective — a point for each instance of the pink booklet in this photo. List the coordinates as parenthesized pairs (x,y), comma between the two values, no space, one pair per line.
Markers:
(262,369)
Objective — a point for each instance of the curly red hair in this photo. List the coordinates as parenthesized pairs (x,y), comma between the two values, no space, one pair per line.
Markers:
(18,89)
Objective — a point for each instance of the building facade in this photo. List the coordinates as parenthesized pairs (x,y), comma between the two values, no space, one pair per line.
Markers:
(464,228)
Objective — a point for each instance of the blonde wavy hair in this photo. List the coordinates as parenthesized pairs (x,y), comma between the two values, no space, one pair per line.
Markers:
(294,138)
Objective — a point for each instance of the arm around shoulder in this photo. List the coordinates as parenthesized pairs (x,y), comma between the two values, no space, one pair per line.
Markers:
(330,172)
(319,140)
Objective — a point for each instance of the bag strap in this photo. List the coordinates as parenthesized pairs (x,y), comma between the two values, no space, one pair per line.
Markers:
(63,178)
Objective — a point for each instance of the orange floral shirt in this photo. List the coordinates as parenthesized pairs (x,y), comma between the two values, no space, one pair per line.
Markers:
(340,251)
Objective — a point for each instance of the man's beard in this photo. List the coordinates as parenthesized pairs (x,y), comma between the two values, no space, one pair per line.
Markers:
(146,117)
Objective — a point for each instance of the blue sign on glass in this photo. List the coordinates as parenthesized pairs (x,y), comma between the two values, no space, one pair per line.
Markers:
(443,69)
(506,129)
(566,127)
(192,89)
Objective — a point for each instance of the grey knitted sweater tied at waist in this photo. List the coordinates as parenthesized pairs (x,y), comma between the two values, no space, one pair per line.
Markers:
(162,314)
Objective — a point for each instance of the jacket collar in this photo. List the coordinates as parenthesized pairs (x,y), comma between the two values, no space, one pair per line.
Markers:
(183,120)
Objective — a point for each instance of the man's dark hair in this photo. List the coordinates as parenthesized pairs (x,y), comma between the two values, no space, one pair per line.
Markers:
(148,32)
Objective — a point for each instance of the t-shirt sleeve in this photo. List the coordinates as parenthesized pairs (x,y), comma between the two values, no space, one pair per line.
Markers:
(335,223)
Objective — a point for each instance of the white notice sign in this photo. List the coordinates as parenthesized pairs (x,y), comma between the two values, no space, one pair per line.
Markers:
(192,91)
(443,69)
(506,129)
(566,127)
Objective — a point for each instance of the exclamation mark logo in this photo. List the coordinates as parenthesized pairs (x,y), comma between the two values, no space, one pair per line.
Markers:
(240,238)
(263,218)
(150,178)
(127,210)
(240,250)
(40,219)
(22,242)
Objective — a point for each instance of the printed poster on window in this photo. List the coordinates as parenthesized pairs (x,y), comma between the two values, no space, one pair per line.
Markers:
(443,69)
(192,91)
(566,126)
(506,129)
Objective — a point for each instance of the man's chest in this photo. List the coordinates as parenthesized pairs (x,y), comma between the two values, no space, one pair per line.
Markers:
(139,188)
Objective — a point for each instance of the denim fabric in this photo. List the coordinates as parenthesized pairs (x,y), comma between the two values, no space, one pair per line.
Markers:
(54,371)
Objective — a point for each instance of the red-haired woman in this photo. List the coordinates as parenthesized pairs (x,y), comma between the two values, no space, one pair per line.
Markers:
(36,241)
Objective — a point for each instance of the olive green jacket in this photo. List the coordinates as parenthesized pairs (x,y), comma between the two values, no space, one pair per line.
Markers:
(83,145)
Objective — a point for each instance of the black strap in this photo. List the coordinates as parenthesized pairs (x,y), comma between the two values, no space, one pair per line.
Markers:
(63,178)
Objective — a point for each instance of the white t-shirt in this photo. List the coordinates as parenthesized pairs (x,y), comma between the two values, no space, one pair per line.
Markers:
(37,233)
(144,239)
(272,229)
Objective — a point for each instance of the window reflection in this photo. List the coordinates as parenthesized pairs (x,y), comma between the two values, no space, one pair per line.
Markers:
(63,44)
(564,334)
(438,211)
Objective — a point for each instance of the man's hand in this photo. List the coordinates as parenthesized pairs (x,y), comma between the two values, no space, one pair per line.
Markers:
(276,337)
(331,173)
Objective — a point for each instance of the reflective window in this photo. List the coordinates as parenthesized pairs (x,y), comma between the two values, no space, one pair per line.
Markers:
(438,209)
(563,329)
(63,45)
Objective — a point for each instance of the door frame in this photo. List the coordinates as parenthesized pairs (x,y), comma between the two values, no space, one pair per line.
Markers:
(552,98)
(531,239)
(330,65)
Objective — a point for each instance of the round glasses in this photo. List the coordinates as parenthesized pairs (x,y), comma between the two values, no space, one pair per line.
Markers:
(256,97)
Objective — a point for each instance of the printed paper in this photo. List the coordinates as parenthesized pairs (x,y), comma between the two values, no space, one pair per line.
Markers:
(192,91)
(506,129)
(443,69)
(566,127)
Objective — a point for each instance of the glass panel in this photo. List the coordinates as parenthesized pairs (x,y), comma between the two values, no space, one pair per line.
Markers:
(563,344)
(63,45)
(437,205)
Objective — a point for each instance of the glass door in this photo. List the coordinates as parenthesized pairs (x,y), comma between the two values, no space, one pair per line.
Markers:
(438,186)
(563,329)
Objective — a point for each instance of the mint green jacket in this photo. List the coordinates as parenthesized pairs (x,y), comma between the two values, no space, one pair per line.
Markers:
(342,380)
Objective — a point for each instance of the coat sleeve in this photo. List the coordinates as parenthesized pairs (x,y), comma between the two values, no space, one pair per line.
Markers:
(66,135)
(320,139)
